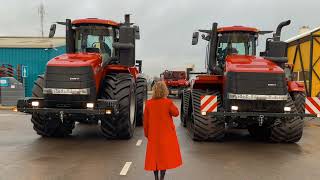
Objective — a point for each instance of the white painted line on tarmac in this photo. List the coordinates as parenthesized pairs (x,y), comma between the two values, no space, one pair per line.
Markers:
(15,114)
(139,142)
(6,115)
(125,169)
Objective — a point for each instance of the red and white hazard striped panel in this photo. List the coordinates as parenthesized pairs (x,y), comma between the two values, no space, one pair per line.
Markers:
(312,105)
(209,103)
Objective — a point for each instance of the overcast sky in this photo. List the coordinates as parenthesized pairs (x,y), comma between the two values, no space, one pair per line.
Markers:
(166,26)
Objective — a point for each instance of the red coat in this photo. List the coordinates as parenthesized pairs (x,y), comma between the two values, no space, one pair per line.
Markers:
(163,150)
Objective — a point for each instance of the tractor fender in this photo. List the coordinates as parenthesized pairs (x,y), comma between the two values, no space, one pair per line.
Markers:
(295,86)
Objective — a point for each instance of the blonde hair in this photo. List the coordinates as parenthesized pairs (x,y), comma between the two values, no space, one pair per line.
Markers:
(159,90)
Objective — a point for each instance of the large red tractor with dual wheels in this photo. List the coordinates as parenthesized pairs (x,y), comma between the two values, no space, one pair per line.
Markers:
(96,80)
(242,90)
(176,81)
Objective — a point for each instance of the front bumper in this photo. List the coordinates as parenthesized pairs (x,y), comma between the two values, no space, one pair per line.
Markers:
(100,108)
(257,114)
(175,90)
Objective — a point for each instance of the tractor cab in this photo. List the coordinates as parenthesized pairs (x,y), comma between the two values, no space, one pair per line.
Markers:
(95,36)
(236,40)
(113,41)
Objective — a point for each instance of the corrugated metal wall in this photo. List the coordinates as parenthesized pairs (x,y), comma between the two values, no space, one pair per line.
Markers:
(35,58)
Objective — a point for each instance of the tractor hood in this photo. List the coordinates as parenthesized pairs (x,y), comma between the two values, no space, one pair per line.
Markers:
(76,60)
(242,63)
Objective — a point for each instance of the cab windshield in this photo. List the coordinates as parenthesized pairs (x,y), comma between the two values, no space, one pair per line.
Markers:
(95,39)
(239,43)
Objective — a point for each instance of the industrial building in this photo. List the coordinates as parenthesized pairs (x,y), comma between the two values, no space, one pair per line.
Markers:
(27,56)
(304,54)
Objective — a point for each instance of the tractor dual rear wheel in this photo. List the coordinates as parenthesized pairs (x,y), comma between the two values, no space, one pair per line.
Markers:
(208,127)
(49,126)
(283,130)
(185,101)
(120,87)
(299,99)
(141,94)
(287,130)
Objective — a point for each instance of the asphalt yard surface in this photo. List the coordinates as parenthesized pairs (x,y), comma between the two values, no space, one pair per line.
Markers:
(87,155)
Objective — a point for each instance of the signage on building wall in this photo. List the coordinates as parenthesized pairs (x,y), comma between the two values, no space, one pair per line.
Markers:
(25,71)
(4,82)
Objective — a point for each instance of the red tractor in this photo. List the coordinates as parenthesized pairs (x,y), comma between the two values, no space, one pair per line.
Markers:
(96,80)
(242,90)
(176,81)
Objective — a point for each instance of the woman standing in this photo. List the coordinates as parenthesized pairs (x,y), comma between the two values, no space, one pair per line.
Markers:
(163,150)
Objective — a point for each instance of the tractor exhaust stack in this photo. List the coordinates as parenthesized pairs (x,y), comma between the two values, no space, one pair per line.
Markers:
(277,35)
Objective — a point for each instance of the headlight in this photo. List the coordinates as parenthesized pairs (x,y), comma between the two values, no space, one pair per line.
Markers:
(234,108)
(287,109)
(108,111)
(90,105)
(35,103)
(85,91)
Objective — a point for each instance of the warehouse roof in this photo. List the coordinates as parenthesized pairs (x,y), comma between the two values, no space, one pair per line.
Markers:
(300,36)
(31,42)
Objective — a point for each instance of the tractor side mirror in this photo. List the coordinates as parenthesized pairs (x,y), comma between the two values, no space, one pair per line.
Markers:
(139,65)
(137,32)
(52,30)
(195,38)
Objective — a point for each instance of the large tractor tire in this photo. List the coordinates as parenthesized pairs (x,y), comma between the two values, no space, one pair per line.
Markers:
(141,95)
(287,130)
(185,101)
(299,99)
(208,127)
(48,126)
(120,87)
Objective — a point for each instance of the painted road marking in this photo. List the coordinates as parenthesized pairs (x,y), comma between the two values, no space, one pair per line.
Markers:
(139,142)
(5,115)
(125,169)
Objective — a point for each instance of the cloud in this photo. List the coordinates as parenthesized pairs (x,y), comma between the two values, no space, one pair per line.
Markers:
(166,26)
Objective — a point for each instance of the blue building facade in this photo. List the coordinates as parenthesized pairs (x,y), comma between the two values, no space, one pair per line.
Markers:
(35,60)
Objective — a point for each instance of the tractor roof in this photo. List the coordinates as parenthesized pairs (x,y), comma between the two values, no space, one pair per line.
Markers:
(238,28)
(95,21)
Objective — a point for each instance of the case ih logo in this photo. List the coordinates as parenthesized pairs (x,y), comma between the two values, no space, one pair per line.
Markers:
(208,103)
(272,85)
(312,105)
